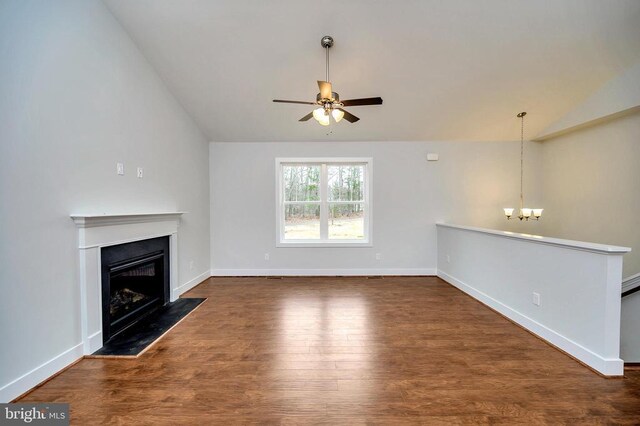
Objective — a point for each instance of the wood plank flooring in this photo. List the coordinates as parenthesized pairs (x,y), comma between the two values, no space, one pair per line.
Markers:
(400,350)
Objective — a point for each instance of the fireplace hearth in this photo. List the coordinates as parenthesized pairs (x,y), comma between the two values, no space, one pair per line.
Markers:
(135,282)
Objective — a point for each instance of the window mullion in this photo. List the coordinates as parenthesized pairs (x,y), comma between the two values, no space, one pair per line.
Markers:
(324,210)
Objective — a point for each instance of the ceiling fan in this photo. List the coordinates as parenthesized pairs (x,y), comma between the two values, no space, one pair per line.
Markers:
(328,101)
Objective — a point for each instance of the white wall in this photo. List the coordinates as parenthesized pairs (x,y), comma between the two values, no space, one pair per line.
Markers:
(590,182)
(470,184)
(76,96)
(579,287)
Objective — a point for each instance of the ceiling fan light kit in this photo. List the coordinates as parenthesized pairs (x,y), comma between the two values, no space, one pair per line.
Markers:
(328,102)
(525,213)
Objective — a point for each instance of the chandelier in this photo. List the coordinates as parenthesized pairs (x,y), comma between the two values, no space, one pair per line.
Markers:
(525,213)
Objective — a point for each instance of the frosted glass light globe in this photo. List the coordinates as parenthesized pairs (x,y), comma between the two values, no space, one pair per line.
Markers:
(319,114)
(324,121)
(337,115)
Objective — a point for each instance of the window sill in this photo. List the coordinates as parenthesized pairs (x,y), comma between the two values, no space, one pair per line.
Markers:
(328,244)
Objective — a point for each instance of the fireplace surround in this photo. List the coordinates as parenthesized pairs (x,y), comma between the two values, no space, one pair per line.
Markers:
(99,231)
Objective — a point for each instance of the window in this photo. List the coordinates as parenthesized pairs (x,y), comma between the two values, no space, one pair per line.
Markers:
(323,202)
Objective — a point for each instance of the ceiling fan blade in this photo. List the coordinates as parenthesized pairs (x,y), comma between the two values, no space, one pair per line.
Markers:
(294,102)
(307,117)
(348,116)
(363,101)
(325,89)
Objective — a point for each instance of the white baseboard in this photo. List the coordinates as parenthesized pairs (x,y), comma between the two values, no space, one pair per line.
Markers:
(94,343)
(190,284)
(608,367)
(39,374)
(631,282)
(320,272)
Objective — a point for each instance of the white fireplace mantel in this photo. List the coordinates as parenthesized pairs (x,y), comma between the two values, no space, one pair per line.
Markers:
(102,230)
(93,220)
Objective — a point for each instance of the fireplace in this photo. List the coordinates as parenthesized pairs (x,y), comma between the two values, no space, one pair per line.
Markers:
(135,282)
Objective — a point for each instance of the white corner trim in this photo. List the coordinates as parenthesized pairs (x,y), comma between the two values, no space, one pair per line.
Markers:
(608,367)
(39,374)
(631,282)
(321,272)
(191,283)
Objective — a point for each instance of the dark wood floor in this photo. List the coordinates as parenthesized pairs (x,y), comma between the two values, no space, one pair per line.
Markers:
(343,351)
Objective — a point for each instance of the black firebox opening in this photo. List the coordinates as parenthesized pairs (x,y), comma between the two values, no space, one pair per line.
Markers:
(135,281)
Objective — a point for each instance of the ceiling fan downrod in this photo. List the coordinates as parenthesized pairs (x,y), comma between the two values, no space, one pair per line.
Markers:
(326,42)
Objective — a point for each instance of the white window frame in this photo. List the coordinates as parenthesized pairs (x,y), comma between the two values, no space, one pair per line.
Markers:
(324,241)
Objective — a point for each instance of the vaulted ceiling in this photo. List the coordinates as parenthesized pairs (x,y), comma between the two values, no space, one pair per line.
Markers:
(447,70)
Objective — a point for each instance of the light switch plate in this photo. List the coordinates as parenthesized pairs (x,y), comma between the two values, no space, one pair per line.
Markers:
(536,299)
(140,172)
(120,168)
(432,156)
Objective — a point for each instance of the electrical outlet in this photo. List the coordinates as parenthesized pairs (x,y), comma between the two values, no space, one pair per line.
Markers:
(140,172)
(536,299)
(120,168)
(448,259)
(191,264)
(266,256)
(378,256)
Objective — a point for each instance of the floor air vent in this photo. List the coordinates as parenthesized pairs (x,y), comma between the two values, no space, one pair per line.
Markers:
(375,277)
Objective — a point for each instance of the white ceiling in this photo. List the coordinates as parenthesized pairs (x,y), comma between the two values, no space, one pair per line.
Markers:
(447,70)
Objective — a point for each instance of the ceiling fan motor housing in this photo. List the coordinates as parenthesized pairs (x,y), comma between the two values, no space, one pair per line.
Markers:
(335,98)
